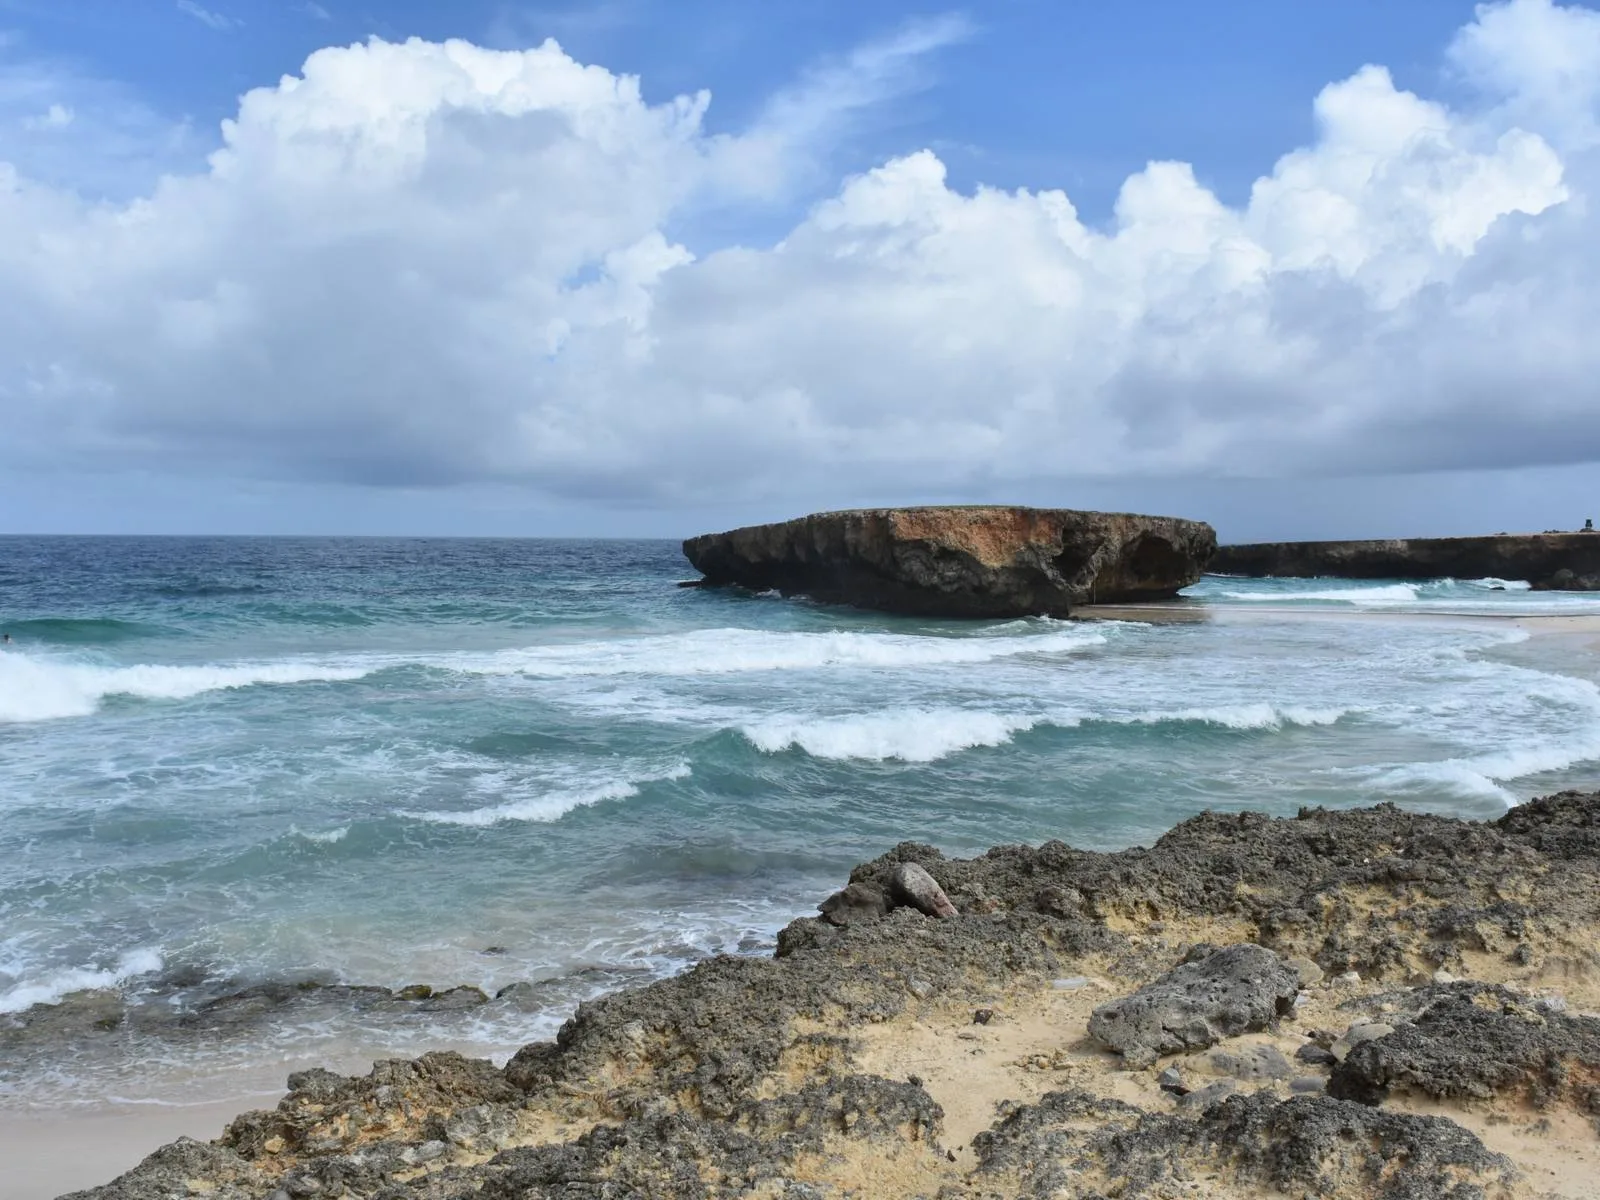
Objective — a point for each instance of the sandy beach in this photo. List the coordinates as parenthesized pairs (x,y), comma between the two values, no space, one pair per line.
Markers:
(50,1154)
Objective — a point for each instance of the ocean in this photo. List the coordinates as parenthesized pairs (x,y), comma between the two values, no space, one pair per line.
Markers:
(245,781)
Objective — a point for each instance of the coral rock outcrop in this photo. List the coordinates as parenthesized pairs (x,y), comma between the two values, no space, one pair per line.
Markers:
(982,561)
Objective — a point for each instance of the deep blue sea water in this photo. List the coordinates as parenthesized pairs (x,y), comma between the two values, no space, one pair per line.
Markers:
(373,761)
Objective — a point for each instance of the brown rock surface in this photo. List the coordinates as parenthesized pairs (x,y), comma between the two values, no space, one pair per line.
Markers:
(976,561)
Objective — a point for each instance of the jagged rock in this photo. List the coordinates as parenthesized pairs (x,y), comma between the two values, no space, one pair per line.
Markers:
(1476,1042)
(1073,1146)
(1238,990)
(961,561)
(856,902)
(912,885)
(1315,1055)
(1548,560)
(168,1172)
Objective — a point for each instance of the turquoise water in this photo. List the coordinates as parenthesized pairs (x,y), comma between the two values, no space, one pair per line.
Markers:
(490,762)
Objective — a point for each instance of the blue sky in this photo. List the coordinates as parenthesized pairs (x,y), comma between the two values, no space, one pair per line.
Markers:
(730,237)
(1039,93)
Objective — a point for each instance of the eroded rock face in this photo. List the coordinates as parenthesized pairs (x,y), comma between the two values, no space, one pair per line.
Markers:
(1073,1144)
(962,562)
(1238,990)
(1558,561)
(1475,1042)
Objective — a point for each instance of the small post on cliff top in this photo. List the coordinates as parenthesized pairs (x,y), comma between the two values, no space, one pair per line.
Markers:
(1588,525)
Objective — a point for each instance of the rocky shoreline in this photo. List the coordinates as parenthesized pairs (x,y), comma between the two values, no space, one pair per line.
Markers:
(1369,1003)
(1553,561)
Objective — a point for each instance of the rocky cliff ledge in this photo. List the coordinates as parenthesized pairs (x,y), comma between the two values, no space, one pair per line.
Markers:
(1370,1005)
(1546,560)
(962,561)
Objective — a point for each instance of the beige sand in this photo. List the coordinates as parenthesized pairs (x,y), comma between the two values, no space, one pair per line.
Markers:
(47,1155)
(1038,1042)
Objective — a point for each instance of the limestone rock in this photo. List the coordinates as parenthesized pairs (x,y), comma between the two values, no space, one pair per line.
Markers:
(911,884)
(857,902)
(1195,1005)
(962,561)
(1565,561)
(1475,1041)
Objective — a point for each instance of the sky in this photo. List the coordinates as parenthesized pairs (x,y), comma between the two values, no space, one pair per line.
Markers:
(1323,269)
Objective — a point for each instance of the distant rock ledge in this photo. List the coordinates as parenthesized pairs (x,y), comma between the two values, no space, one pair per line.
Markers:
(1549,561)
(978,561)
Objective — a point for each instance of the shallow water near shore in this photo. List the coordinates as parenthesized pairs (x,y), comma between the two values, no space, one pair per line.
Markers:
(230,763)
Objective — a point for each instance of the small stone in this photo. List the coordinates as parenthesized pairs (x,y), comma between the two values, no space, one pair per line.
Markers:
(1369,1031)
(914,1080)
(911,884)
(1245,1062)
(920,988)
(414,991)
(983,1016)
(1306,1085)
(425,1152)
(1315,1055)
(494,951)
(1207,1096)
(1305,970)
(1070,984)
(1349,979)
(1171,1080)
(273,1145)
(1443,976)
(854,904)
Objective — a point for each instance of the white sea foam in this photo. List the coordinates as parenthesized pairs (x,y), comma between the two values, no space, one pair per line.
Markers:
(325,837)
(1498,585)
(545,803)
(1392,593)
(734,651)
(928,734)
(910,735)
(38,688)
(55,986)
(1241,716)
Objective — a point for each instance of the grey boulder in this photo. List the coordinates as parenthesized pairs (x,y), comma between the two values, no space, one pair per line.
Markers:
(1195,1005)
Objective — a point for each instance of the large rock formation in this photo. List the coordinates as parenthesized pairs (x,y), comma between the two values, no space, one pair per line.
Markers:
(1546,560)
(994,561)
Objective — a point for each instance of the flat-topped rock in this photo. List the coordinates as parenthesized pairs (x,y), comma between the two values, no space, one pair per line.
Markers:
(978,561)
(1569,561)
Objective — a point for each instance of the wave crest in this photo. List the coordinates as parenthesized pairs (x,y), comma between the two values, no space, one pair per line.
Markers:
(37,688)
(58,985)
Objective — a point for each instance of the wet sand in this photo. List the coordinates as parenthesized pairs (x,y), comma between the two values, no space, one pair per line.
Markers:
(1178,611)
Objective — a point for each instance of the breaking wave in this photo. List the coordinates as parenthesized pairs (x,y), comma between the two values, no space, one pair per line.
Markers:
(922,735)
(36,688)
(59,984)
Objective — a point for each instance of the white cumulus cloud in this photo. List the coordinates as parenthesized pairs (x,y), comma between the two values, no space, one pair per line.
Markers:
(422,263)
